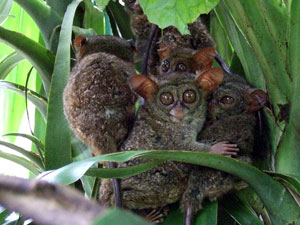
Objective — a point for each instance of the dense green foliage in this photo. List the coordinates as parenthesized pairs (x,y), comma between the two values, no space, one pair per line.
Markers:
(257,38)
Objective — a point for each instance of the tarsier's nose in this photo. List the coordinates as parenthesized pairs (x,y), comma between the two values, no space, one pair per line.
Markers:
(179,111)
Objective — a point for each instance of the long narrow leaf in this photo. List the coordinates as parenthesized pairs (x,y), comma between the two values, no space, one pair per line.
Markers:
(242,214)
(34,139)
(21,161)
(8,63)
(208,215)
(288,157)
(57,146)
(117,216)
(272,193)
(30,155)
(93,18)
(37,55)
(39,101)
(45,17)
(5,7)
(74,171)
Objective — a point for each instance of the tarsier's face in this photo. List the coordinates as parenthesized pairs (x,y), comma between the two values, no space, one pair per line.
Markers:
(178,102)
(179,96)
(185,60)
(179,64)
(226,101)
(234,98)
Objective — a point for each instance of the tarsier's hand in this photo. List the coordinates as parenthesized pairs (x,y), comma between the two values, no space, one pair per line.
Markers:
(224,148)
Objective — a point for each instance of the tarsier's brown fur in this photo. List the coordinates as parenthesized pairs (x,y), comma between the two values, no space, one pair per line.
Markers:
(98,102)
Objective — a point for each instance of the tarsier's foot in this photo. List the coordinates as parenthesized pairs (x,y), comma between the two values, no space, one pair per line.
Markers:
(155,216)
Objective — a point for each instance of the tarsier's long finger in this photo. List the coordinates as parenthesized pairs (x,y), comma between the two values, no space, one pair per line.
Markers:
(231,149)
(230,145)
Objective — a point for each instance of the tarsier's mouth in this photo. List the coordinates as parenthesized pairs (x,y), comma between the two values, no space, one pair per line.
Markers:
(178,113)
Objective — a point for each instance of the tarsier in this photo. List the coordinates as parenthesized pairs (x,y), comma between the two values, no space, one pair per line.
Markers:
(231,117)
(98,102)
(172,116)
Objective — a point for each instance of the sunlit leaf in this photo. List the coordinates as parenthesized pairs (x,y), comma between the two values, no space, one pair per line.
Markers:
(57,146)
(85,32)
(34,139)
(37,55)
(176,13)
(30,155)
(5,7)
(45,17)
(8,63)
(39,101)
(21,161)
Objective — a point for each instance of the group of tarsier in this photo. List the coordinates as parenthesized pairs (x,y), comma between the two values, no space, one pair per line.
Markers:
(185,104)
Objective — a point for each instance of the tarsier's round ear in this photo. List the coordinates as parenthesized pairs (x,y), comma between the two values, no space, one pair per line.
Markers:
(256,99)
(143,85)
(210,80)
(79,42)
(203,59)
(163,51)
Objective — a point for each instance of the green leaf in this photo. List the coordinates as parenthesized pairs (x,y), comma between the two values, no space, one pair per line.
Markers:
(292,182)
(174,217)
(5,7)
(93,18)
(176,13)
(8,63)
(37,55)
(59,6)
(102,3)
(118,216)
(288,156)
(45,17)
(85,32)
(250,17)
(34,139)
(21,161)
(30,155)
(208,215)
(121,18)
(108,29)
(240,212)
(274,196)
(57,145)
(72,172)
(39,101)
(3,215)
(121,172)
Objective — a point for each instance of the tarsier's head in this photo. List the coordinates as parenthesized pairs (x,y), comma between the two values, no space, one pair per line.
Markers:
(121,48)
(185,60)
(179,97)
(133,6)
(235,97)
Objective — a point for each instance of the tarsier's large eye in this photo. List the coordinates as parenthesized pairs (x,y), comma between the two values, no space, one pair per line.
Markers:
(227,100)
(181,67)
(166,98)
(165,65)
(189,96)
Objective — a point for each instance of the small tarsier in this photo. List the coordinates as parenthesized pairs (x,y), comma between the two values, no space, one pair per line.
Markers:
(98,101)
(142,29)
(185,60)
(172,116)
(231,117)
